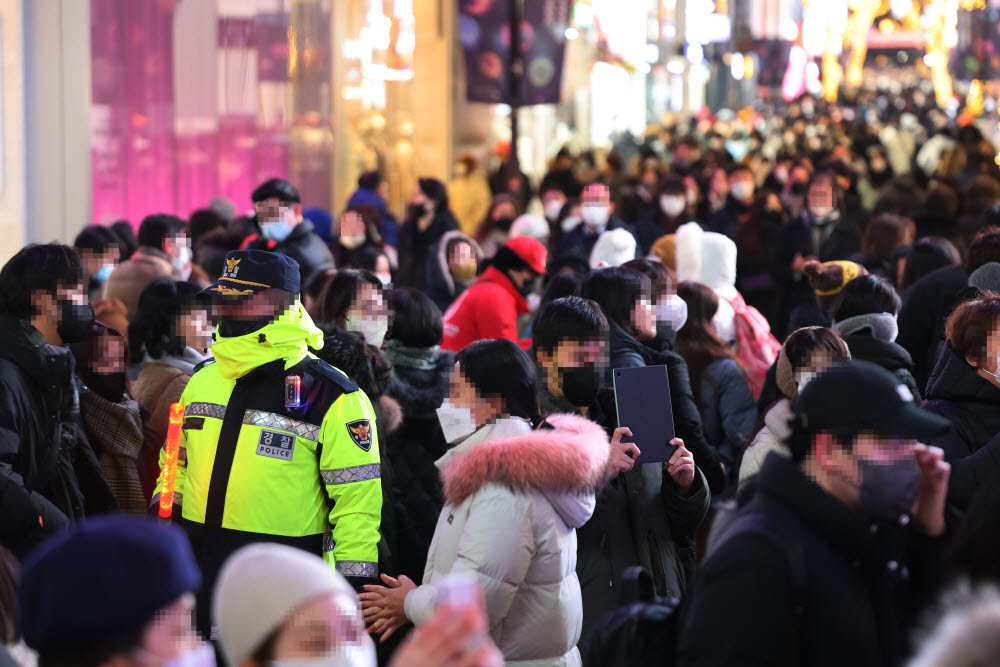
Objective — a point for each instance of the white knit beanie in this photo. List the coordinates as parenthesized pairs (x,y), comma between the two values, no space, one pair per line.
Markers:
(613,248)
(259,586)
(531,225)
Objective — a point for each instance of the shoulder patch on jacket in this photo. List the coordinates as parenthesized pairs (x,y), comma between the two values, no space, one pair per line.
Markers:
(361,433)
(325,370)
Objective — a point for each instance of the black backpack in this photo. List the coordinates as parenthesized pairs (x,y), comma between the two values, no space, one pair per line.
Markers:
(643,632)
(640,633)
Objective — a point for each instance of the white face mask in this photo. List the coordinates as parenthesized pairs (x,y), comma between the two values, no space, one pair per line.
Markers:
(352,655)
(352,241)
(742,190)
(673,205)
(804,379)
(595,216)
(384,278)
(276,231)
(823,214)
(673,310)
(203,656)
(553,208)
(181,264)
(182,259)
(456,422)
(996,376)
(373,330)
(534,300)
(570,222)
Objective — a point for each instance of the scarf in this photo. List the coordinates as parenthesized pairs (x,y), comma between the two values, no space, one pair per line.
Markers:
(115,432)
(185,363)
(419,358)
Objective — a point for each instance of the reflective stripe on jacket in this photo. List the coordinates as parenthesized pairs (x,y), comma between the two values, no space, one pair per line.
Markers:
(308,475)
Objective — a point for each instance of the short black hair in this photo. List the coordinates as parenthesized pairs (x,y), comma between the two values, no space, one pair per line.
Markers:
(203,221)
(37,267)
(983,250)
(154,229)
(434,190)
(366,258)
(369,180)
(95,237)
(866,295)
(569,318)
(616,290)
(501,368)
(276,188)
(416,320)
(152,329)
(926,255)
(126,234)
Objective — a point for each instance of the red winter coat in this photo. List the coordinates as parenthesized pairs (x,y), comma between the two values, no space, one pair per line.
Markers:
(487,310)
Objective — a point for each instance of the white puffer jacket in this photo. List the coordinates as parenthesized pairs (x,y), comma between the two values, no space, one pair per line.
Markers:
(514,498)
(771,438)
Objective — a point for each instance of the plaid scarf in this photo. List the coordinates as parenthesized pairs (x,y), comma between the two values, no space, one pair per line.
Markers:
(115,432)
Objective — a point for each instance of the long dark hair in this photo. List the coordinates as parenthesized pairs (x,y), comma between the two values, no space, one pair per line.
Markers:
(616,290)
(696,340)
(153,329)
(341,293)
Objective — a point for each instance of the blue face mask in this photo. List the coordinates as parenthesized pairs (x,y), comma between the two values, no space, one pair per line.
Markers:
(276,231)
(104,273)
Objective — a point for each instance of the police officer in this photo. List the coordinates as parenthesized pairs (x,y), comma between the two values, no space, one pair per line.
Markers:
(276,445)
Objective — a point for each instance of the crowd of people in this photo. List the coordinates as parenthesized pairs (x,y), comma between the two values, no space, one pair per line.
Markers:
(406,428)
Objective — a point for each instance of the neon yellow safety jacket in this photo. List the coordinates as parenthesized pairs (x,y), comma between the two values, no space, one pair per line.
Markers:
(255,469)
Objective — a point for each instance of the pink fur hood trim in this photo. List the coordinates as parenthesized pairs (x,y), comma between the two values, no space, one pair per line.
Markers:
(571,457)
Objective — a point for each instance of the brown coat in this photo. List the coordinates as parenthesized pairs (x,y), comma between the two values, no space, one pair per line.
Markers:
(131,277)
(158,386)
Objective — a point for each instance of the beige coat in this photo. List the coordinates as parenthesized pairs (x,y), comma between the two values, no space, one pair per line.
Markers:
(158,386)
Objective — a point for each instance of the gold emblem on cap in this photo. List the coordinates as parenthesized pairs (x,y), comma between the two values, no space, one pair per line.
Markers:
(231,265)
(222,289)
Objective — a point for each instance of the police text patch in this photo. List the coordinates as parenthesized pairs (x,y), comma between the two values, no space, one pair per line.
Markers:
(276,445)
(361,433)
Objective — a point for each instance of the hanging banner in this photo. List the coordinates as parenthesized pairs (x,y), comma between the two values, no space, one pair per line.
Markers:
(544,47)
(484,31)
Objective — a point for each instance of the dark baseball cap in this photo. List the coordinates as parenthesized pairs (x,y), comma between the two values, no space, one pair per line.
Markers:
(249,272)
(860,396)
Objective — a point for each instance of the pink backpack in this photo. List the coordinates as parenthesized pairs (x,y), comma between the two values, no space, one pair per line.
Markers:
(755,347)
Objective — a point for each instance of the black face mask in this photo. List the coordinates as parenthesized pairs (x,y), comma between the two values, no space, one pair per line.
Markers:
(233,328)
(798,189)
(76,320)
(418,210)
(529,286)
(109,386)
(581,384)
(503,224)
(773,217)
